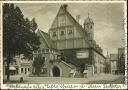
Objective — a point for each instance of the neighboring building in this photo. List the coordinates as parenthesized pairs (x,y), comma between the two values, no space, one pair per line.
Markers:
(117,62)
(121,60)
(77,43)
(113,63)
(53,65)
(18,66)
(24,66)
(107,64)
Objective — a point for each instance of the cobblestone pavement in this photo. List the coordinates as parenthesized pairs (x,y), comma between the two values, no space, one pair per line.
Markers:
(101,78)
(119,80)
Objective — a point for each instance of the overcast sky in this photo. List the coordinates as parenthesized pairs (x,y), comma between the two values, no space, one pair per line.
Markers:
(107,19)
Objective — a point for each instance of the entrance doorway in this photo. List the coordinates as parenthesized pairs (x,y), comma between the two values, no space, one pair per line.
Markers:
(56,71)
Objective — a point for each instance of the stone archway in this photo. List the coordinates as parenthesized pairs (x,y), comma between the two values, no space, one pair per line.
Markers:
(56,71)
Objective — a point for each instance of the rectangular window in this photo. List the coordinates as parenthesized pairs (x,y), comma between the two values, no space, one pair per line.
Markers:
(54,34)
(51,51)
(28,69)
(44,58)
(35,52)
(62,33)
(47,50)
(15,63)
(25,69)
(69,31)
(22,70)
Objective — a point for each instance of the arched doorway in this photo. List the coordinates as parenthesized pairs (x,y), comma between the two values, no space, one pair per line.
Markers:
(56,71)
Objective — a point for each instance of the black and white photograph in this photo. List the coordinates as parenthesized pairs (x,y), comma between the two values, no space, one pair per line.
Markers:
(64,43)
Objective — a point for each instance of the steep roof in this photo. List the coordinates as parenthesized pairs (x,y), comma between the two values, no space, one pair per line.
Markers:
(46,41)
(81,30)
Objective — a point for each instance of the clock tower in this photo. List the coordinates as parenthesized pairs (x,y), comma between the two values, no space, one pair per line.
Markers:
(89,27)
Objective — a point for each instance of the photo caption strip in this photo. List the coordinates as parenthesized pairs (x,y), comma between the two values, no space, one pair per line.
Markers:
(62,86)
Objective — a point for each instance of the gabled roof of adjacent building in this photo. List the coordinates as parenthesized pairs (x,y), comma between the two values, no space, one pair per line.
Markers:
(46,41)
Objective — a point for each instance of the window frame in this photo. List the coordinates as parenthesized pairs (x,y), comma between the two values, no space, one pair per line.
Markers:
(54,34)
(62,34)
(70,32)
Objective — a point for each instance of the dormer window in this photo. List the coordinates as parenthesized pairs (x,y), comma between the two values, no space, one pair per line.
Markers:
(62,33)
(54,34)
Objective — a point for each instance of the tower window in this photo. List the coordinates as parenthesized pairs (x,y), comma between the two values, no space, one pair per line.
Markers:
(54,34)
(62,33)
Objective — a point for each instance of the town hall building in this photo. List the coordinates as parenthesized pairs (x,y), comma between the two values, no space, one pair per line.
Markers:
(76,42)
(69,48)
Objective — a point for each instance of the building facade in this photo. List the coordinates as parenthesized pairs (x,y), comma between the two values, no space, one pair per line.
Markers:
(113,63)
(18,66)
(53,65)
(76,42)
(121,61)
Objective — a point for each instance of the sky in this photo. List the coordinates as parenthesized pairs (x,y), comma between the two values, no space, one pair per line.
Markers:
(107,18)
